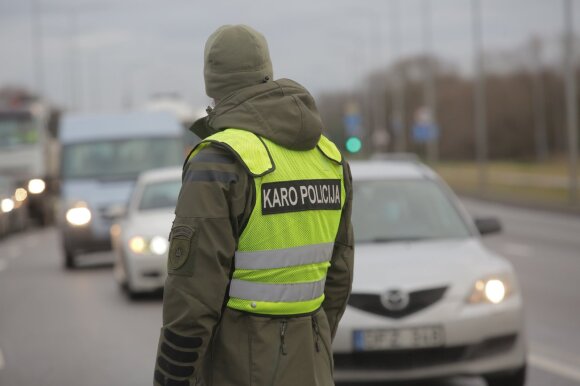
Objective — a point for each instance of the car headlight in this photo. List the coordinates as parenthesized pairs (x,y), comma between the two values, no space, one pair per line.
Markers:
(138,244)
(79,215)
(6,205)
(36,186)
(492,290)
(157,245)
(20,194)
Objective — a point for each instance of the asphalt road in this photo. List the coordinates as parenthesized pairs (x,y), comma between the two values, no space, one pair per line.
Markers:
(75,328)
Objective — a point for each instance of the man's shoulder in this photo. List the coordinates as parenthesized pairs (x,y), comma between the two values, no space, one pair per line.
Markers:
(220,163)
(208,152)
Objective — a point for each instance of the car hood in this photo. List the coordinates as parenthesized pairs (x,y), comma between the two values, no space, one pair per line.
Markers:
(416,265)
(97,194)
(148,223)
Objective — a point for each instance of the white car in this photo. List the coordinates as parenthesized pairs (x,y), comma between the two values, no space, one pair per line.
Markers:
(428,299)
(140,239)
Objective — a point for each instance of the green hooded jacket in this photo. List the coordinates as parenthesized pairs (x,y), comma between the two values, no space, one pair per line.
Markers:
(202,342)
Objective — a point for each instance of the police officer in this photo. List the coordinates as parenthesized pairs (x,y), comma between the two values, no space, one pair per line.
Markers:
(260,261)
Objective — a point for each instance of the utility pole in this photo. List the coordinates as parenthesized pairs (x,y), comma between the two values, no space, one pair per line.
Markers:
(541,137)
(429,96)
(479,97)
(380,136)
(571,101)
(73,59)
(398,82)
(37,48)
(96,87)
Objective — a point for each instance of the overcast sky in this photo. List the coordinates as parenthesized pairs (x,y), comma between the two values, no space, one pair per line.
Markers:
(130,49)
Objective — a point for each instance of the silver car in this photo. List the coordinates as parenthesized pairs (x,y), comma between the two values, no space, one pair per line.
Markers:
(429,300)
(140,238)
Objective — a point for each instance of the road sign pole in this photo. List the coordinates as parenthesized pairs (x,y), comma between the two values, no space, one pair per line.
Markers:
(571,102)
(398,83)
(429,81)
(479,98)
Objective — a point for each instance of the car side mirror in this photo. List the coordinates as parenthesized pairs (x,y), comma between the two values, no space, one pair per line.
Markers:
(115,212)
(488,225)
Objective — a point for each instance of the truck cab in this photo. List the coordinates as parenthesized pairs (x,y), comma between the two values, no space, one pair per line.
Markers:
(29,154)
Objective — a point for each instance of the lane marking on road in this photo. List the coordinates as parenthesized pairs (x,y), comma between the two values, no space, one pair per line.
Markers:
(555,366)
(516,249)
(2,363)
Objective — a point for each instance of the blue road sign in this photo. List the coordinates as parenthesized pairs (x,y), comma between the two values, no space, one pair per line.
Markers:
(425,132)
(352,124)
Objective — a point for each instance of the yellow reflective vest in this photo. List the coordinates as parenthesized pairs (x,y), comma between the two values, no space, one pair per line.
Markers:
(286,246)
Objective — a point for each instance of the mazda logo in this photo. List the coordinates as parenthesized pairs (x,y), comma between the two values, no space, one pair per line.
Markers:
(395,300)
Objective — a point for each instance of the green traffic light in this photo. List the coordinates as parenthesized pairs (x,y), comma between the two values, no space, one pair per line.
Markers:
(353,145)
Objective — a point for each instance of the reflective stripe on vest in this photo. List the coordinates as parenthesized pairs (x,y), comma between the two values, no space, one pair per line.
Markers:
(287,257)
(276,292)
(285,249)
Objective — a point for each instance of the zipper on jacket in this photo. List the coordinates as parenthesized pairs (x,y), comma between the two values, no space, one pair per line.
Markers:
(283,327)
(316,329)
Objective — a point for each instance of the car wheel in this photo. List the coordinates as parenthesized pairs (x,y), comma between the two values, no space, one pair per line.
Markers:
(69,259)
(514,378)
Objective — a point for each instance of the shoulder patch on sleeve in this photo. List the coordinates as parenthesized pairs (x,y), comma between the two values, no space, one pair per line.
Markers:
(182,238)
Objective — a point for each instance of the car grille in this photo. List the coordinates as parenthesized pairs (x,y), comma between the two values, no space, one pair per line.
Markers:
(418,358)
(418,300)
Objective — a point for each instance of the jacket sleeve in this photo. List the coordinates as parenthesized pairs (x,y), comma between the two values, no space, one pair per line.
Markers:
(340,273)
(203,240)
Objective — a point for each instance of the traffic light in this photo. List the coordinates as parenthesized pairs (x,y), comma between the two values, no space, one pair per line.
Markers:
(353,144)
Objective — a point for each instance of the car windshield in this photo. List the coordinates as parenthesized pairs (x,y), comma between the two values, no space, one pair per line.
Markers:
(120,159)
(404,210)
(17,131)
(159,195)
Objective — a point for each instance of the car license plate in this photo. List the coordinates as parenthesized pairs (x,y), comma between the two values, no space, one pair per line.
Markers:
(398,339)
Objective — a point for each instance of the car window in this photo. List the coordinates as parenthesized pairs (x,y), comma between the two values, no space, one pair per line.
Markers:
(160,195)
(120,158)
(398,210)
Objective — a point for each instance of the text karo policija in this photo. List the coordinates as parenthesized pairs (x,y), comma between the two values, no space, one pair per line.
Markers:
(294,196)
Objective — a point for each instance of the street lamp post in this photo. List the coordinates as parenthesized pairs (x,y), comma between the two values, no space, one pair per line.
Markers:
(398,83)
(429,95)
(37,57)
(479,97)
(571,101)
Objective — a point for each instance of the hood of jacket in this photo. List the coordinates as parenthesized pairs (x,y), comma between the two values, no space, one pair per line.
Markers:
(282,111)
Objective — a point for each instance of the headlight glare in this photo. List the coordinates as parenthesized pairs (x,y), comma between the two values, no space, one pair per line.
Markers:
(495,291)
(158,245)
(6,205)
(20,194)
(78,216)
(137,244)
(491,290)
(36,186)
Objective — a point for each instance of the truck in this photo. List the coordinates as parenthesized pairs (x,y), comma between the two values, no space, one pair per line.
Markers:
(29,150)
